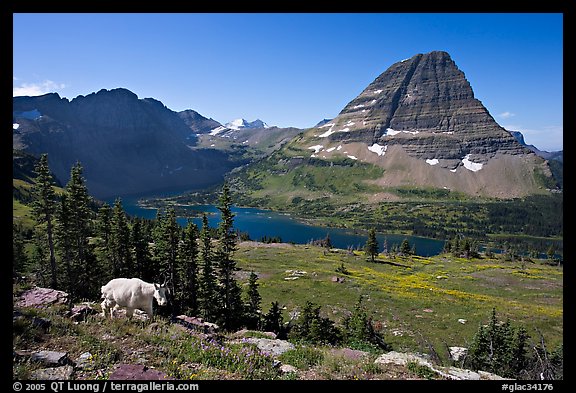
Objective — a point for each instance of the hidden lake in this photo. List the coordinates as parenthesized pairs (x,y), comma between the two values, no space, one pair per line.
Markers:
(258,223)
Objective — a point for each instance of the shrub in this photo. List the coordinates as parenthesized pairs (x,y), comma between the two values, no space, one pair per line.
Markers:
(359,330)
(313,328)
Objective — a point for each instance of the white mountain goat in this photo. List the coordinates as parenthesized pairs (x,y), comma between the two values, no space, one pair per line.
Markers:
(131,293)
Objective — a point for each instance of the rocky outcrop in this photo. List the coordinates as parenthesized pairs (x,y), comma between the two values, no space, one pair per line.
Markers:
(51,358)
(454,373)
(197,123)
(426,105)
(53,373)
(42,297)
(125,144)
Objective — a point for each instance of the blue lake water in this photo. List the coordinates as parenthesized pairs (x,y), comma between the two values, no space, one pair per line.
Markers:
(259,223)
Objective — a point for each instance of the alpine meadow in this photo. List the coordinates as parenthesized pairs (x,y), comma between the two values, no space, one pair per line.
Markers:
(409,237)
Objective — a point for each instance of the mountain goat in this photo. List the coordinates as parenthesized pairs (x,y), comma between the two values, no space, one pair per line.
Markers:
(132,293)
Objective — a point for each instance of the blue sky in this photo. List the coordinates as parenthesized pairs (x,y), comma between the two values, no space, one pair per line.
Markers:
(293,69)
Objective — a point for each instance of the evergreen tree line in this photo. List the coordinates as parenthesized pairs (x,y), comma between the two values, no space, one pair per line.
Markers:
(77,249)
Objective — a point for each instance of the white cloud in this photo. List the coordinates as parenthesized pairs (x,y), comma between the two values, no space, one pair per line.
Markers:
(36,89)
(506,115)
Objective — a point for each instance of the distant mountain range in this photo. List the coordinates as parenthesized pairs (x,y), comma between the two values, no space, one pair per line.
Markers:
(129,145)
(126,145)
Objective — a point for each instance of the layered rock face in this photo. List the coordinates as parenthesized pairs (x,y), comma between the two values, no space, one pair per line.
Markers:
(421,123)
(126,145)
(426,105)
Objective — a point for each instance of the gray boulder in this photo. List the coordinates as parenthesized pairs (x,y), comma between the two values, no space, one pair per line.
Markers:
(51,358)
(270,346)
(53,373)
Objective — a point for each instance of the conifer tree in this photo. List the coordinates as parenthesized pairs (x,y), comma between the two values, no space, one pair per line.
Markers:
(405,247)
(371,246)
(252,309)
(231,312)
(121,255)
(142,256)
(104,223)
(44,208)
(166,241)
(209,297)
(84,276)
(188,269)
(273,320)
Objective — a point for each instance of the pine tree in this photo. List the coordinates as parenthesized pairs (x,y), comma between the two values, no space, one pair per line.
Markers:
(371,246)
(142,256)
(209,297)
(405,247)
(188,269)
(273,320)
(44,208)
(252,309)
(84,277)
(65,241)
(231,312)
(166,241)
(121,255)
(104,223)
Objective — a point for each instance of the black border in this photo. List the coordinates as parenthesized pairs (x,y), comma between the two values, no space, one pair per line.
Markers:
(192,6)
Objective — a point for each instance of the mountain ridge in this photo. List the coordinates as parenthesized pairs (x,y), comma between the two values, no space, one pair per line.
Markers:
(126,145)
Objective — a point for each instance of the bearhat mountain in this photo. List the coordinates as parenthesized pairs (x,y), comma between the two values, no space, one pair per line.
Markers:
(420,122)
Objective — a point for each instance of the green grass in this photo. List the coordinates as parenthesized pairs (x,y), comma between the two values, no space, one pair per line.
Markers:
(412,305)
(415,303)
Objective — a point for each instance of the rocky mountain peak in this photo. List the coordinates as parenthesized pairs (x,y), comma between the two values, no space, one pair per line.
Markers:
(426,104)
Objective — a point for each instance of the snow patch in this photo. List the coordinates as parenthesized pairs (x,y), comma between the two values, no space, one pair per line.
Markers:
(330,150)
(364,111)
(349,124)
(453,170)
(352,157)
(339,147)
(15,126)
(316,148)
(217,130)
(376,148)
(358,106)
(378,91)
(344,130)
(327,125)
(329,132)
(433,161)
(390,131)
(372,102)
(472,166)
